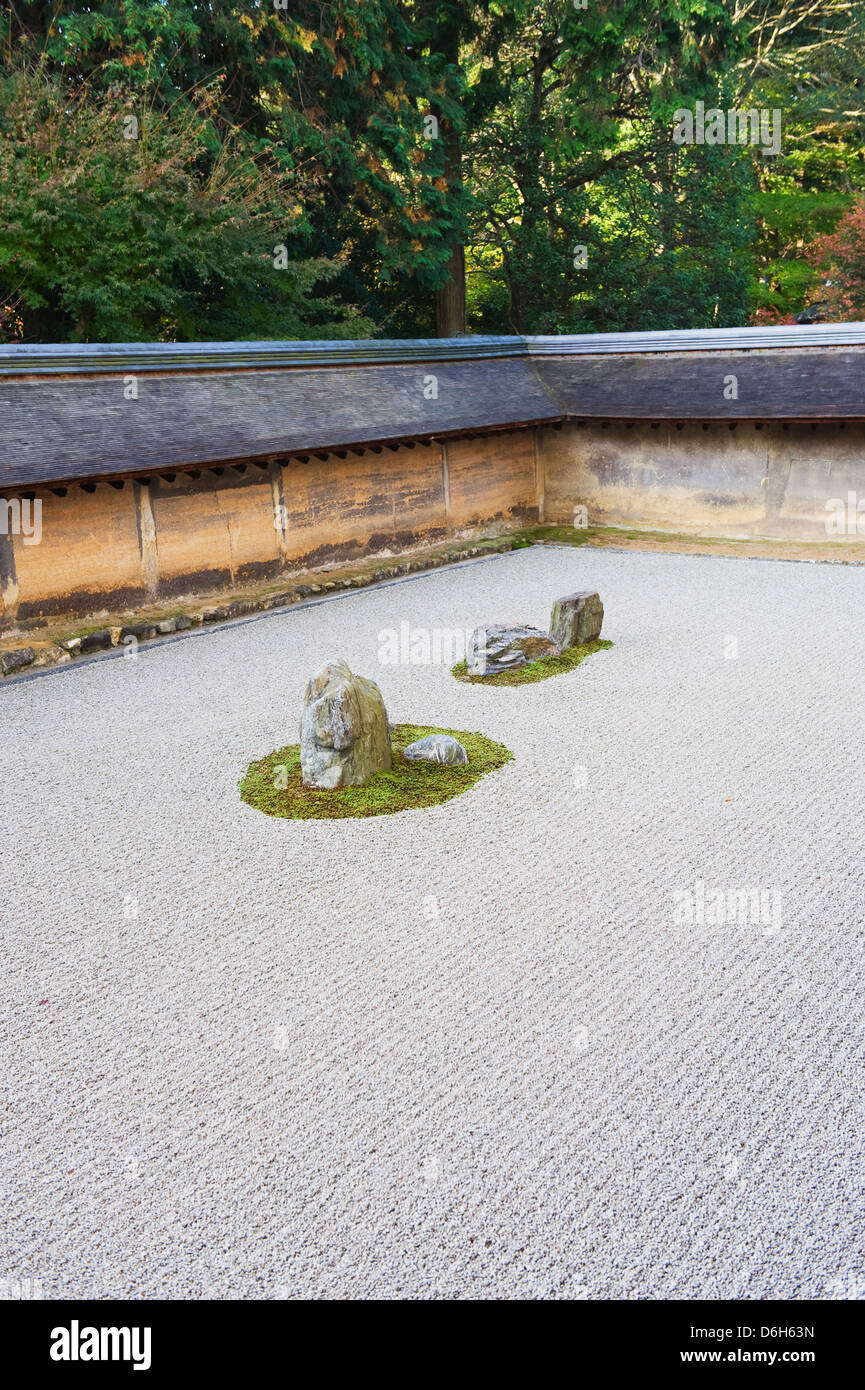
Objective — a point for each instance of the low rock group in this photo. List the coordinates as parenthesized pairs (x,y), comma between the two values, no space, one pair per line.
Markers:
(344,728)
(498,647)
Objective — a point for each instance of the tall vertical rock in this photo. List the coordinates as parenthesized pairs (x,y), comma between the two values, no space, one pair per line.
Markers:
(344,735)
(576,619)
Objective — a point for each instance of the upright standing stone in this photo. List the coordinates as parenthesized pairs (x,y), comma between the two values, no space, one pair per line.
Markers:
(344,735)
(576,619)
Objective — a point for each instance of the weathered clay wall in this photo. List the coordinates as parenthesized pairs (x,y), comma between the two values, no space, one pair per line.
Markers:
(90,546)
(491,477)
(122,543)
(212,528)
(117,544)
(734,480)
(349,504)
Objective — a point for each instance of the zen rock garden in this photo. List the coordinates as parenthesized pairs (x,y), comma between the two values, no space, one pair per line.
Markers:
(352,762)
(499,647)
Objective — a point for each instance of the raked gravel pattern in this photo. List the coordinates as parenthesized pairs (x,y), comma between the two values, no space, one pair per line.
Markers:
(466,1052)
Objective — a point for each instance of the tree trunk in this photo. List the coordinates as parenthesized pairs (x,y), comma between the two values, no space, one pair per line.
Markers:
(451,298)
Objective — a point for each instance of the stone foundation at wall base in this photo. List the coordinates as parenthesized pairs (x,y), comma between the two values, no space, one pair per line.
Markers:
(61,640)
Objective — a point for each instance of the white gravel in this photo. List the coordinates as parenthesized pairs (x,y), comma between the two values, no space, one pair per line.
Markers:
(466,1052)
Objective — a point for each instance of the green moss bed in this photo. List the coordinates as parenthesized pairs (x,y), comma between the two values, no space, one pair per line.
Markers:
(406,786)
(535,670)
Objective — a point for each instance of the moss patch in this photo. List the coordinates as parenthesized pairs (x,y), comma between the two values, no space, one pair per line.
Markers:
(535,670)
(273,784)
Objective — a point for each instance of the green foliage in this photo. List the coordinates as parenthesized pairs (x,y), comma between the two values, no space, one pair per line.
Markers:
(331,99)
(807,61)
(305,126)
(169,235)
(572,147)
(410,785)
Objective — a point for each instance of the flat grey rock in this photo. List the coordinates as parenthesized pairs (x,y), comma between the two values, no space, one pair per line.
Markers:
(577,618)
(436,748)
(498,647)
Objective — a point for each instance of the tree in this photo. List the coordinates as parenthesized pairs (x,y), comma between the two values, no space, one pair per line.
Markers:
(123,226)
(804,58)
(443,31)
(333,95)
(587,216)
(505,165)
(839,259)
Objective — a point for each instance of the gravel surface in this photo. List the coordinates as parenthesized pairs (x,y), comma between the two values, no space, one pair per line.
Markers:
(474,1051)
